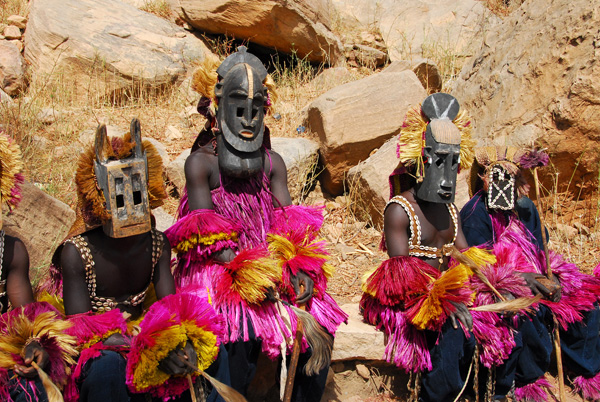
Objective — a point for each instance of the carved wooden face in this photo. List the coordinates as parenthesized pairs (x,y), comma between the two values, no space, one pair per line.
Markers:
(501,188)
(441,168)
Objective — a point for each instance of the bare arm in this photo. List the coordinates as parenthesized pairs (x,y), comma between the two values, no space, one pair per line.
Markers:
(279,185)
(461,240)
(197,181)
(164,284)
(395,228)
(75,292)
(18,286)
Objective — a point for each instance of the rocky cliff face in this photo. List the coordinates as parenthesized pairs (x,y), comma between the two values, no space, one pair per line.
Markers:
(536,79)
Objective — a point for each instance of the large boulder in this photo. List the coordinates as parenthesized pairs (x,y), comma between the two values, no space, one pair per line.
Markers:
(41,222)
(301,157)
(536,78)
(414,27)
(107,46)
(353,119)
(302,26)
(12,68)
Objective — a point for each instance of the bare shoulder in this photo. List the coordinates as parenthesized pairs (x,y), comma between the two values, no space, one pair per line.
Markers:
(70,259)
(200,162)
(276,160)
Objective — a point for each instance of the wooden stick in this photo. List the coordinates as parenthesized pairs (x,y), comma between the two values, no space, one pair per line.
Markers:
(559,364)
(289,382)
(192,390)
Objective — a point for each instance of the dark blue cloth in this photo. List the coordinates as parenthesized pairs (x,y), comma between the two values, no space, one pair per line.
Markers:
(451,355)
(477,222)
(24,390)
(104,380)
(243,358)
(580,345)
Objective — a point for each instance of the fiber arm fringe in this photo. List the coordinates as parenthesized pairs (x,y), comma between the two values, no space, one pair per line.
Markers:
(169,324)
(43,322)
(425,294)
(204,231)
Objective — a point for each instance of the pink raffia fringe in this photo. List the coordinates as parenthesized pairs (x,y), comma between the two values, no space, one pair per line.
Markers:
(588,388)
(535,392)
(298,219)
(164,327)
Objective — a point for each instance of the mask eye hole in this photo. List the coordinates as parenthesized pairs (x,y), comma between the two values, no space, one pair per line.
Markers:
(120,201)
(137,197)
(240,112)
(439,161)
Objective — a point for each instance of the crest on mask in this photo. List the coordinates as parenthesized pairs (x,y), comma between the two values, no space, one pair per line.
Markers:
(241,95)
(124,183)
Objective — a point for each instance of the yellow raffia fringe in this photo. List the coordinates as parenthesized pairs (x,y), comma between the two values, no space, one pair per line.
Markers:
(454,278)
(47,324)
(146,373)
(53,300)
(205,344)
(197,239)
(253,279)
(284,250)
(98,338)
(411,140)
(12,164)
(479,257)
(364,281)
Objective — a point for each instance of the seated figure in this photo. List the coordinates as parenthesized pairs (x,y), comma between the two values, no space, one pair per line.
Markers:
(111,270)
(239,236)
(501,216)
(31,333)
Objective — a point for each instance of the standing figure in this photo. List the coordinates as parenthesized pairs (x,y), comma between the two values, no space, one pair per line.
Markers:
(30,332)
(500,215)
(238,234)
(112,266)
(418,297)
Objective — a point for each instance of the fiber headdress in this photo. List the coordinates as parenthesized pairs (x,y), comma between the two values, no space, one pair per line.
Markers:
(411,143)
(11,166)
(512,159)
(91,203)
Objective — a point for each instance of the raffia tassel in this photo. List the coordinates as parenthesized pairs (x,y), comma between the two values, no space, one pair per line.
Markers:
(227,393)
(463,259)
(515,305)
(320,341)
(52,390)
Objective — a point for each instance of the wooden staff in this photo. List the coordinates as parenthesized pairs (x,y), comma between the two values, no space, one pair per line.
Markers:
(289,382)
(561,379)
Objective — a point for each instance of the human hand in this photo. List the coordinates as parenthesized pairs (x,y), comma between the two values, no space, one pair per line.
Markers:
(32,352)
(550,289)
(461,314)
(175,362)
(224,255)
(302,281)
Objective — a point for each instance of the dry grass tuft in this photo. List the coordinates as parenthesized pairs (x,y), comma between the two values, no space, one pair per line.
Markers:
(160,8)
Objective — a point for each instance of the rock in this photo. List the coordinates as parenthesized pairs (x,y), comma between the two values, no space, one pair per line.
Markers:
(106,46)
(162,150)
(175,170)
(48,115)
(552,99)
(12,32)
(18,44)
(568,232)
(173,133)
(367,56)
(5,98)
(298,26)
(357,340)
(426,70)
(12,69)
(363,371)
(163,219)
(41,222)
(353,119)
(18,21)
(413,27)
(582,229)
